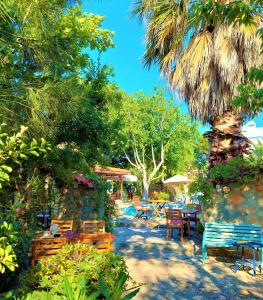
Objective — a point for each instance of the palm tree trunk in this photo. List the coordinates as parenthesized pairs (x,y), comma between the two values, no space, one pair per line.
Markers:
(226,140)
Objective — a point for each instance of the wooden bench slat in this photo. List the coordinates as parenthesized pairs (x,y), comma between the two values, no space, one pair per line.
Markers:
(45,247)
(101,241)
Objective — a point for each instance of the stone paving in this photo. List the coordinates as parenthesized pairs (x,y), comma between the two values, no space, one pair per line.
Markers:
(172,270)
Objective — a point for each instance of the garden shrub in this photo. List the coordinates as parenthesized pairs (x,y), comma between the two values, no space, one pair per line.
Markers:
(74,261)
(116,291)
(7,253)
(16,234)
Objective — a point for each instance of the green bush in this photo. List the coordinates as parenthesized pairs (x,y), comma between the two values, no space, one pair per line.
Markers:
(16,233)
(7,253)
(115,292)
(164,195)
(74,261)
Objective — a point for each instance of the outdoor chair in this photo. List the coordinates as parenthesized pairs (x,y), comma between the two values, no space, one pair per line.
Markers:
(93,226)
(175,219)
(102,241)
(45,247)
(194,218)
(63,226)
(141,210)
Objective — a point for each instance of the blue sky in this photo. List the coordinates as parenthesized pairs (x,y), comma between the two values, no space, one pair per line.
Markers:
(126,57)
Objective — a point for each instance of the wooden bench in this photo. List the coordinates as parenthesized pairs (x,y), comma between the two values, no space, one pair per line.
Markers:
(63,226)
(101,241)
(225,235)
(44,247)
(93,226)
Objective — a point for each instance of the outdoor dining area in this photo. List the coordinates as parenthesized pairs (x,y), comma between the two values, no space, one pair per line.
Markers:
(62,232)
(161,212)
(180,213)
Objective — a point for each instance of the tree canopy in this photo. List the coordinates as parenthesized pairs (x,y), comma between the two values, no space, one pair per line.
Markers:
(154,136)
(51,79)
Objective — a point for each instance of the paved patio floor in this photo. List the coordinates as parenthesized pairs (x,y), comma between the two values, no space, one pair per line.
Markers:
(171,270)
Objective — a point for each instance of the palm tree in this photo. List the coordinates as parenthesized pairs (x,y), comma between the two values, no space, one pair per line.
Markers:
(203,62)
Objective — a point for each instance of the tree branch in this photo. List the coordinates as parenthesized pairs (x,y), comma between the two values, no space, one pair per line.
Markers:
(143,158)
(133,164)
(154,161)
(157,177)
(155,170)
(135,157)
(138,158)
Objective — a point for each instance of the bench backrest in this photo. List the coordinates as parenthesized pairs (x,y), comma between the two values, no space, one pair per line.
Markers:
(44,247)
(93,226)
(63,225)
(102,241)
(226,234)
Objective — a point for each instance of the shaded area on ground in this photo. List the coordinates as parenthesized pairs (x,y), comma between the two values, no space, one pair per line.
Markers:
(171,270)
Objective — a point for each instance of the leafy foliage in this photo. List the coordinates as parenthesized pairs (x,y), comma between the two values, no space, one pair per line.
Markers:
(7,254)
(155,137)
(238,169)
(15,149)
(80,293)
(50,83)
(235,12)
(250,97)
(78,261)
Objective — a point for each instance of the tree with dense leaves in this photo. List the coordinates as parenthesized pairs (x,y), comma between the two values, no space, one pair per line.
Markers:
(156,139)
(48,80)
(204,59)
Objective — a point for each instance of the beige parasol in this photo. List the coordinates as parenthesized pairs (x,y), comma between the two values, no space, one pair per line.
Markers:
(176,182)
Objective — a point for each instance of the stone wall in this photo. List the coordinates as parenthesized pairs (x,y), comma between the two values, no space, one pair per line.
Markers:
(239,204)
(78,203)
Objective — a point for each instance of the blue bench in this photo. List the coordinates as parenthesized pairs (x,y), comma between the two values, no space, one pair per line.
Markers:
(225,235)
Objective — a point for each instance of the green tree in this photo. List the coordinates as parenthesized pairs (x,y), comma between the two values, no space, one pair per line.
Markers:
(154,136)
(48,81)
(204,59)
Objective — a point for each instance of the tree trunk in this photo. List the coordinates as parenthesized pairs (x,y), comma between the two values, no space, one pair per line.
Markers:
(146,185)
(226,140)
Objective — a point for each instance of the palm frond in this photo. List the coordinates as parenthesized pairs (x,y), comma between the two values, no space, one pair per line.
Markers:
(166,23)
(205,63)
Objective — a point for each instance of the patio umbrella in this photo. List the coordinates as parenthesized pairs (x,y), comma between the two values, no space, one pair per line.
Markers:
(130,178)
(174,182)
(177,179)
